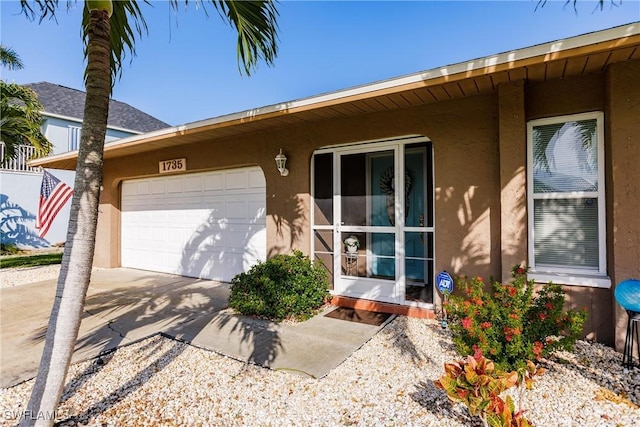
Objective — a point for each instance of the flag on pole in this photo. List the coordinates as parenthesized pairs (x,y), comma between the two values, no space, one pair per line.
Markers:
(53,195)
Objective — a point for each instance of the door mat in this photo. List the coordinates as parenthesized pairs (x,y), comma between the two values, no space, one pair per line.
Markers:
(360,316)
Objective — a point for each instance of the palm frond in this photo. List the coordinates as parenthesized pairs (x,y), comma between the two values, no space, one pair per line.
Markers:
(41,9)
(255,22)
(600,4)
(20,120)
(256,25)
(127,24)
(9,58)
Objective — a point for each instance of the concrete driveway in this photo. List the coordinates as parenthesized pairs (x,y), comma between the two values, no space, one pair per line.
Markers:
(125,305)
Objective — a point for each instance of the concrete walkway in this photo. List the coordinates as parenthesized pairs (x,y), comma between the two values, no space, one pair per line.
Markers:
(125,305)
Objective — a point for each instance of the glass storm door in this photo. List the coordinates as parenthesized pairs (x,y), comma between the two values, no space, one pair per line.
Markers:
(379,240)
(417,237)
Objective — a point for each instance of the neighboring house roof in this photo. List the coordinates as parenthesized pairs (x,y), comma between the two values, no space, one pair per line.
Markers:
(586,54)
(68,102)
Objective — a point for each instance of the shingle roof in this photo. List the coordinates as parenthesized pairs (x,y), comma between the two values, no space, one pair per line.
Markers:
(69,102)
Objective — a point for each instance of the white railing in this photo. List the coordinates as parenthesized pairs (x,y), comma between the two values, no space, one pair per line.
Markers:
(19,163)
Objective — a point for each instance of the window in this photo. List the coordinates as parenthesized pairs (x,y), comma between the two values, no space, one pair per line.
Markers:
(566,204)
(74,137)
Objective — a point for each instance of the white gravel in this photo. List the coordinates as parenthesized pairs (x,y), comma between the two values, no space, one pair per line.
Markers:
(388,382)
(10,277)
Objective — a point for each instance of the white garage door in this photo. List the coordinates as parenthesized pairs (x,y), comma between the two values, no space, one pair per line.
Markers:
(209,225)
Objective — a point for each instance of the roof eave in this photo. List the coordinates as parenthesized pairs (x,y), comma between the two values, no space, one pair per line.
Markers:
(584,44)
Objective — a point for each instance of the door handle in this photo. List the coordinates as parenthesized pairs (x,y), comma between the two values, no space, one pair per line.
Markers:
(421,224)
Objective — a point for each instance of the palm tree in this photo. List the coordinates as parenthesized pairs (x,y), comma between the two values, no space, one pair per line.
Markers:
(20,116)
(9,58)
(110,29)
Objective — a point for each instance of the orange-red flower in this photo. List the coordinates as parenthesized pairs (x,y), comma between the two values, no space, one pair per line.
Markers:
(477,301)
(467,322)
(537,349)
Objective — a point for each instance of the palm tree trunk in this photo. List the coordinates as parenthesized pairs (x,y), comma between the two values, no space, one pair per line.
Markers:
(77,260)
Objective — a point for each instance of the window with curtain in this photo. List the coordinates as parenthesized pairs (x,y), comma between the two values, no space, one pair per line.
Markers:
(566,195)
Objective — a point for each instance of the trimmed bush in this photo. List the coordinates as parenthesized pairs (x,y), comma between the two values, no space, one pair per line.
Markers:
(284,287)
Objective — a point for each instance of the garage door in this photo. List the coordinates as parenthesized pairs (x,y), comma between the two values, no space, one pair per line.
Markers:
(209,225)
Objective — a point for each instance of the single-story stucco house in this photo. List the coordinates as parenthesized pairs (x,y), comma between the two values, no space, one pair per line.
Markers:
(530,156)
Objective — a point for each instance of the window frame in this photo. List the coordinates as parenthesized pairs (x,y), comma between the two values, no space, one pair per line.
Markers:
(569,275)
(74,135)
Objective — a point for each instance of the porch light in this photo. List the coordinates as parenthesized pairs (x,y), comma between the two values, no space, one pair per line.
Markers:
(281,164)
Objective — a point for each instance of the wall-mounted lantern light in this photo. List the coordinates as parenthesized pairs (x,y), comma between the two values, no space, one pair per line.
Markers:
(281,164)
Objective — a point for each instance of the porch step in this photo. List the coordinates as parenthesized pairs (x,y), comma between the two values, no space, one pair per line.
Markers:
(383,307)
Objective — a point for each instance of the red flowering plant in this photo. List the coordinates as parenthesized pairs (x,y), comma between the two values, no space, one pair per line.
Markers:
(508,323)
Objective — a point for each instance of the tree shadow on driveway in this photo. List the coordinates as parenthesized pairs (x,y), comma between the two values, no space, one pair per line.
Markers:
(124,306)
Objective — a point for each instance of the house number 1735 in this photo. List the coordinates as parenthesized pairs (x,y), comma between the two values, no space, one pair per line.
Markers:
(174,165)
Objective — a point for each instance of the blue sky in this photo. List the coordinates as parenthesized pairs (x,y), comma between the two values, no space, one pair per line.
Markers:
(186,69)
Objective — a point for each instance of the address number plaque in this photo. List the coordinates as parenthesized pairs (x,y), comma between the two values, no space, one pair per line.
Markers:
(174,165)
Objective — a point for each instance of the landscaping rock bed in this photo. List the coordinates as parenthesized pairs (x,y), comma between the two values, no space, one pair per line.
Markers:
(388,382)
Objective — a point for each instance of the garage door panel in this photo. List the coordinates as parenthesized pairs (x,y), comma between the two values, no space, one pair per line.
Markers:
(193,184)
(236,180)
(213,182)
(236,209)
(175,186)
(257,209)
(157,187)
(256,179)
(233,237)
(142,187)
(129,189)
(209,225)
(145,234)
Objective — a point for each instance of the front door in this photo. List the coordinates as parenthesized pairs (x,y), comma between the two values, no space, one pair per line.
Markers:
(380,243)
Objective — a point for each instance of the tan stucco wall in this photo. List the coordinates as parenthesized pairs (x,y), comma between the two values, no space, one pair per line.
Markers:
(467,219)
(566,96)
(513,176)
(479,148)
(623,140)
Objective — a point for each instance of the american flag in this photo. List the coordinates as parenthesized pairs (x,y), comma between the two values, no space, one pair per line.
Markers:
(53,195)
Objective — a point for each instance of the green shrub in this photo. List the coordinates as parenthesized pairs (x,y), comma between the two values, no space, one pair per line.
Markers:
(509,324)
(284,287)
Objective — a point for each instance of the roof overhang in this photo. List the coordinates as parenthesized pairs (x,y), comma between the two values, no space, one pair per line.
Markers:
(581,55)
(79,121)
